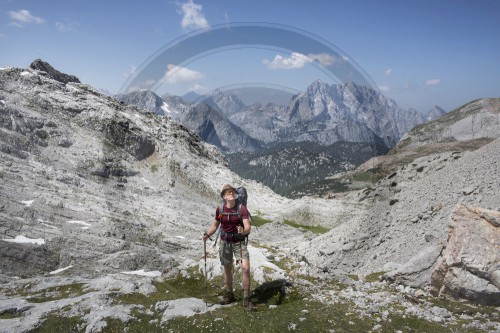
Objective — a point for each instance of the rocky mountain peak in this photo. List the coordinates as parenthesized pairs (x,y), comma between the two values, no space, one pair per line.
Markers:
(226,104)
(145,99)
(434,113)
(53,73)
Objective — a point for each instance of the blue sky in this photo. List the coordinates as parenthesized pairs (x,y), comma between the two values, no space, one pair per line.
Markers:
(420,53)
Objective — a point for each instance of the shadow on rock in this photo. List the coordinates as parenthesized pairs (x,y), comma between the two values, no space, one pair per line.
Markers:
(268,290)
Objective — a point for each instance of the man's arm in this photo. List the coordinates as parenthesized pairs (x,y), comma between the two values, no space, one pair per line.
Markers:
(245,230)
(212,230)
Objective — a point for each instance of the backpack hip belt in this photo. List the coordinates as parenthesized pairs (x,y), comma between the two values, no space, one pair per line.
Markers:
(232,237)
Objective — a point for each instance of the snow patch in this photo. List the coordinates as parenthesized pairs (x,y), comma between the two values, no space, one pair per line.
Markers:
(165,108)
(85,224)
(28,202)
(57,271)
(72,88)
(25,240)
(141,272)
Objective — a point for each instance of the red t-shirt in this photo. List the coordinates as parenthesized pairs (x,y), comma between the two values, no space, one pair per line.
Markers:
(230,222)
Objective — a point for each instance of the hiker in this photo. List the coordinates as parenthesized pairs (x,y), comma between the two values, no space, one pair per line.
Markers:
(235,227)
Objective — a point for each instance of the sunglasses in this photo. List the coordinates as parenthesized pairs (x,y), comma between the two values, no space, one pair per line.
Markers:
(229,192)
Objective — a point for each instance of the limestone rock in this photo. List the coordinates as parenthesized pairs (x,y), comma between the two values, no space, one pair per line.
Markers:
(52,72)
(415,272)
(470,265)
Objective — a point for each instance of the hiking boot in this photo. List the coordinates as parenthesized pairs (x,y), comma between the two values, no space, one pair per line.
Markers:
(248,305)
(228,298)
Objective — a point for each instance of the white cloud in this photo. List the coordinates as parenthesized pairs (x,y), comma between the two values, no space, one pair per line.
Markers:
(324,59)
(192,17)
(198,88)
(433,82)
(298,60)
(66,26)
(177,74)
(388,72)
(23,16)
(384,88)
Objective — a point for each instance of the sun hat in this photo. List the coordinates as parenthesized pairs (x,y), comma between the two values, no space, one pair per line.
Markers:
(225,188)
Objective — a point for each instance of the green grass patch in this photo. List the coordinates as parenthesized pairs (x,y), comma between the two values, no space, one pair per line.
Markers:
(374,277)
(413,324)
(287,264)
(154,168)
(170,289)
(296,313)
(353,277)
(258,221)
(312,228)
(459,308)
(56,293)
(56,323)
(143,322)
(11,314)
(370,176)
(334,285)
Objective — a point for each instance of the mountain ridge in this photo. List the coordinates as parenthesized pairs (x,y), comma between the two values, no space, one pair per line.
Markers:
(349,112)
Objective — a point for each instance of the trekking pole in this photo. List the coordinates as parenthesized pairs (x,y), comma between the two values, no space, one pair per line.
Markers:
(206,274)
(217,237)
(242,273)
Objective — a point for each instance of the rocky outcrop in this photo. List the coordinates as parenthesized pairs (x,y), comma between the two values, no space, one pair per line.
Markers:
(27,259)
(130,139)
(470,265)
(472,121)
(53,73)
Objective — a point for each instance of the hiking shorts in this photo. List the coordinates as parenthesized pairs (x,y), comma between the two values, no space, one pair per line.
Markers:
(228,250)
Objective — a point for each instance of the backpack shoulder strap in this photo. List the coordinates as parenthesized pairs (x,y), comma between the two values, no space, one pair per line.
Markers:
(218,212)
(238,209)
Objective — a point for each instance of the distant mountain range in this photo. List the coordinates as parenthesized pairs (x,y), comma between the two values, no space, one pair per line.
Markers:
(323,115)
